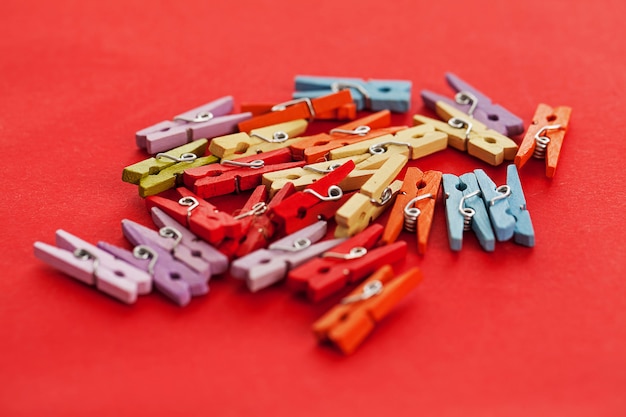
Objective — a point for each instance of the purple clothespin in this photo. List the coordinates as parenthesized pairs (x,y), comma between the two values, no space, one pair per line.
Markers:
(187,247)
(265,267)
(476,105)
(88,264)
(174,279)
(207,121)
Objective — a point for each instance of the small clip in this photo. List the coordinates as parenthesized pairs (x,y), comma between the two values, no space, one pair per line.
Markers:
(354,318)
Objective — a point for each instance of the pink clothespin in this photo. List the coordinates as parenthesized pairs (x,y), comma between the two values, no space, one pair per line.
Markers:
(265,267)
(174,279)
(207,121)
(86,263)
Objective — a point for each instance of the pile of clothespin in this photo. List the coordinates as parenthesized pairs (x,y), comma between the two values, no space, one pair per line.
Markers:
(302,188)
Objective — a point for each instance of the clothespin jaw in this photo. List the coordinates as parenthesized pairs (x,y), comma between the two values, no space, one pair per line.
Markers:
(320,200)
(187,247)
(207,121)
(265,267)
(237,175)
(524,233)
(93,266)
(354,318)
(265,139)
(497,203)
(296,109)
(374,197)
(544,137)
(414,207)
(348,262)
(477,106)
(199,216)
(374,95)
(465,210)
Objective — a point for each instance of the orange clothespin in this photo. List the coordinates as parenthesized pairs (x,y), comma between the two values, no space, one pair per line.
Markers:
(304,108)
(315,148)
(544,137)
(414,207)
(320,200)
(350,322)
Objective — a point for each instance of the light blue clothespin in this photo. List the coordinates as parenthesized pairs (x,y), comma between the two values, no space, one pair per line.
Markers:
(524,232)
(497,202)
(465,210)
(374,95)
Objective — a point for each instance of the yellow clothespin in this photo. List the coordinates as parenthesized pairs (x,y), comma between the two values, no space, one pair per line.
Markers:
(376,194)
(259,140)
(469,135)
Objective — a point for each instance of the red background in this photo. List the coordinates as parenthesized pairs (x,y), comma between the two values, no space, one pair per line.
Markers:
(516,332)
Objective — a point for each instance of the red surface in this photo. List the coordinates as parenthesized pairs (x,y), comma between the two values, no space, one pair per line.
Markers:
(517,332)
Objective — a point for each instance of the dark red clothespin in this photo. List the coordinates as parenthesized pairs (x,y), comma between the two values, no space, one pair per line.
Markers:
(348,262)
(237,175)
(304,108)
(198,215)
(318,201)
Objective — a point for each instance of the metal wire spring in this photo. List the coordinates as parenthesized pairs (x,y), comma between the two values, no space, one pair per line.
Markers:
(410,218)
(541,142)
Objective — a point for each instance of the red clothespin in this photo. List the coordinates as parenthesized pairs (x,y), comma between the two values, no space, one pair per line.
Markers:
(315,148)
(350,322)
(414,207)
(318,201)
(348,262)
(294,109)
(198,215)
(544,137)
(236,175)
(262,229)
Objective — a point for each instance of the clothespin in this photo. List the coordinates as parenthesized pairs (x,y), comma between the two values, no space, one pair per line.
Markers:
(164,171)
(93,266)
(347,263)
(315,148)
(544,137)
(471,136)
(187,247)
(374,197)
(265,267)
(266,115)
(465,210)
(476,106)
(259,140)
(374,95)
(236,175)
(354,318)
(506,205)
(414,207)
(174,279)
(320,200)
(199,216)
(207,121)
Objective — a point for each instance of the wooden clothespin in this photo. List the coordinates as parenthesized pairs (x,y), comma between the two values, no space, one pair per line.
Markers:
(315,148)
(260,140)
(230,176)
(198,215)
(267,115)
(414,207)
(207,121)
(354,318)
(374,95)
(174,279)
(349,262)
(465,210)
(476,106)
(544,137)
(373,198)
(318,201)
(93,266)
(265,267)
(471,136)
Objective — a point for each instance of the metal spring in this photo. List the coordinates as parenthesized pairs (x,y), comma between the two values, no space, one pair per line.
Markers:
(467,212)
(541,142)
(412,213)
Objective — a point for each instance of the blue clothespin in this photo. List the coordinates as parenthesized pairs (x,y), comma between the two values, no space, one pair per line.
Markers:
(497,202)
(465,210)
(374,95)
(524,233)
